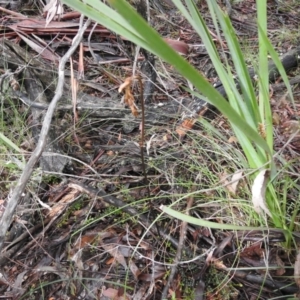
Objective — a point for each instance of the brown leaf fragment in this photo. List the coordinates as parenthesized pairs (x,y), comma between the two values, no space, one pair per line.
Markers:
(114,294)
(62,204)
(120,292)
(134,269)
(110,261)
(149,277)
(297,269)
(110,293)
(281,270)
(253,251)
(205,231)
(85,240)
(179,46)
(116,254)
(184,127)
(110,153)
(44,51)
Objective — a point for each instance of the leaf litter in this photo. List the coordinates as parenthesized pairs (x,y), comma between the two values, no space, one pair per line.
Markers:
(110,242)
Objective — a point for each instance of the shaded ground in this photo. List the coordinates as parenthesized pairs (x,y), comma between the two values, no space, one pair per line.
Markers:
(88,226)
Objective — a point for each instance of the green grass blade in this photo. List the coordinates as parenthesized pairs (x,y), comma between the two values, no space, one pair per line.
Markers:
(9,143)
(277,62)
(249,110)
(200,222)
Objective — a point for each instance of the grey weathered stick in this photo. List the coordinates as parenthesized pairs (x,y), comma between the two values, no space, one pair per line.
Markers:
(14,197)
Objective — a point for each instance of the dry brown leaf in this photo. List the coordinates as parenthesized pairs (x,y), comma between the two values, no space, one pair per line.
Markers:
(63,202)
(110,261)
(115,294)
(134,269)
(128,97)
(253,251)
(90,238)
(110,293)
(185,126)
(258,192)
(37,26)
(44,51)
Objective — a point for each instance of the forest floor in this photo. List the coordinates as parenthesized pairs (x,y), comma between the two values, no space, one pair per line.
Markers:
(89,225)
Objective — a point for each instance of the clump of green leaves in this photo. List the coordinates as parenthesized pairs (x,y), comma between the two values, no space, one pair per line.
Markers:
(250,117)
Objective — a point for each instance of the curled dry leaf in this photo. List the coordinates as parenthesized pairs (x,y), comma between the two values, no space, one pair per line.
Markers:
(232,186)
(259,190)
(128,97)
